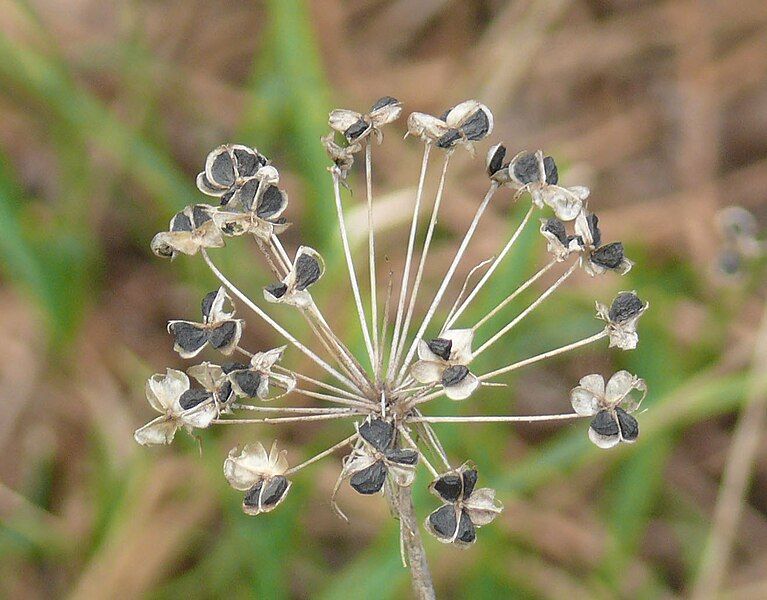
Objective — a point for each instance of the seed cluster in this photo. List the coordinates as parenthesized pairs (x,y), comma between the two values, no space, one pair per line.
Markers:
(405,366)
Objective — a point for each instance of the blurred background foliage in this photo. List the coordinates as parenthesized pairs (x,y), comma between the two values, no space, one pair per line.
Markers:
(107,111)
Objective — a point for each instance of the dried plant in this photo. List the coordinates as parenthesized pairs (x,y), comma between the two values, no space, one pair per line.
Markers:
(384,393)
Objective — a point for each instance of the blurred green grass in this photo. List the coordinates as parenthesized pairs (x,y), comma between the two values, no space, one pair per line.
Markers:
(288,98)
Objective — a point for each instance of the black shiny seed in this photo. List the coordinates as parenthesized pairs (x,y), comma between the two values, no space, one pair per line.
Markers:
(181,222)
(556,228)
(551,171)
(628,425)
(454,375)
(247,162)
(207,304)
(605,424)
(469,481)
(307,271)
(441,347)
(449,487)
(189,337)
(477,126)
(200,215)
(356,130)
(526,168)
(248,193)
(625,306)
(609,256)
(248,382)
(274,490)
(467,533)
(369,480)
(222,170)
(251,497)
(383,101)
(224,392)
(271,202)
(495,163)
(596,234)
(449,138)
(193,397)
(378,433)
(228,367)
(223,335)
(443,522)
(227,197)
(404,456)
(277,289)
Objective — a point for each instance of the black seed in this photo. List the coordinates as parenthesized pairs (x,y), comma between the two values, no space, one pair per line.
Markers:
(378,433)
(189,337)
(605,424)
(206,182)
(280,220)
(191,398)
(628,424)
(596,234)
(222,336)
(443,522)
(200,215)
(227,197)
(222,170)
(270,202)
(369,480)
(624,307)
(274,490)
(551,171)
(307,271)
(277,289)
(181,222)
(405,456)
(356,130)
(454,374)
(248,382)
(477,126)
(247,162)
(469,481)
(224,393)
(526,168)
(730,262)
(609,256)
(207,304)
(449,487)
(383,101)
(466,531)
(449,138)
(495,163)
(441,347)
(228,367)
(251,498)
(248,193)
(557,228)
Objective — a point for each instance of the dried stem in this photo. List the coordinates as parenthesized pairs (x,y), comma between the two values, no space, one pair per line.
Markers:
(489,273)
(496,419)
(423,588)
(350,266)
(371,251)
(322,454)
(277,420)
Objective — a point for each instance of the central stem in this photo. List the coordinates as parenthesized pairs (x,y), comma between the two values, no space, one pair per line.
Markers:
(416,555)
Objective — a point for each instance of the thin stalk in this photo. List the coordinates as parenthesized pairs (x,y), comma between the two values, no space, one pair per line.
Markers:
(352,273)
(409,257)
(421,265)
(335,399)
(321,455)
(413,445)
(276,326)
(318,383)
(448,276)
(526,312)
(459,298)
(384,328)
(288,409)
(371,250)
(513,295)
(489,273)
(518,365)
(277,420)
(496,419)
